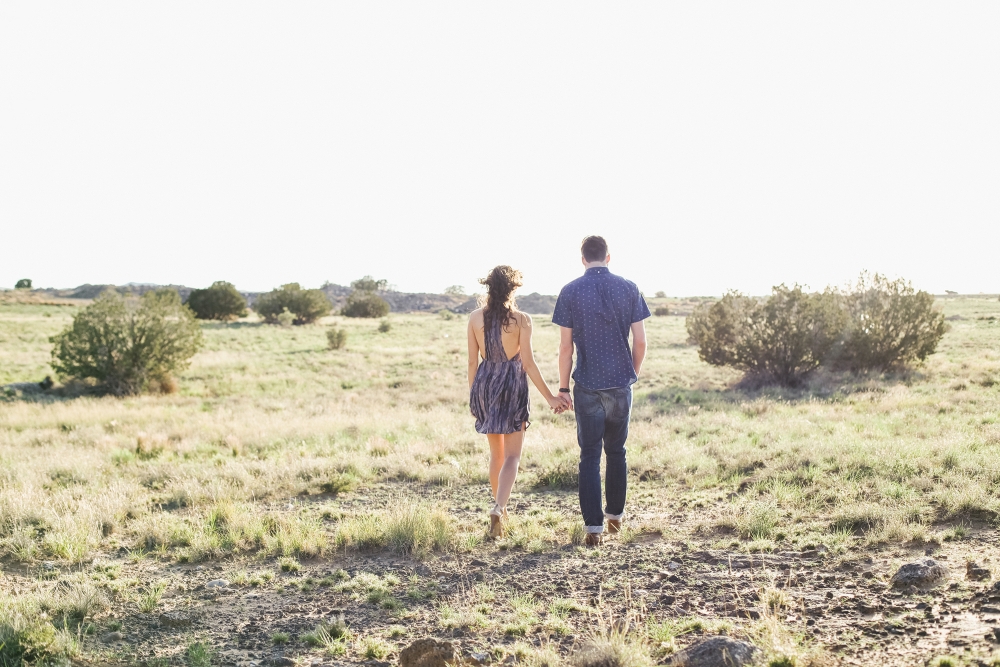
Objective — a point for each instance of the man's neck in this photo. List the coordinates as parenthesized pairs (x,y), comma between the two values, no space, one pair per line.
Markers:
(594,265)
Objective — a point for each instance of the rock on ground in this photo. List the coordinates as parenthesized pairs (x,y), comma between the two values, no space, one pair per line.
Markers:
(924,573)
(715,652)
(175,619)
(428,652)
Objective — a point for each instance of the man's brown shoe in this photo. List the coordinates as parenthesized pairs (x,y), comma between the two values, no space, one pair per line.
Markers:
(593,539)
(614,526)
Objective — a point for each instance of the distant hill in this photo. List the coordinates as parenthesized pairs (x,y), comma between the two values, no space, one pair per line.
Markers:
(399,302)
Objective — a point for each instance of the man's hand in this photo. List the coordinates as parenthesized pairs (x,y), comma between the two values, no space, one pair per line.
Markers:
(567,401)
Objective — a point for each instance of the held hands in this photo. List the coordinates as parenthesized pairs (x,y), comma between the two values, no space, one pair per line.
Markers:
(560,403)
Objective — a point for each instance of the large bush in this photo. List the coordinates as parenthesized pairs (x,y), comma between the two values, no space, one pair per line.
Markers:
(781,339)
(307,305)
(126,343)
(365,304)
(23,283)
(891,324)
(221,301)
(363,301)
(877,324)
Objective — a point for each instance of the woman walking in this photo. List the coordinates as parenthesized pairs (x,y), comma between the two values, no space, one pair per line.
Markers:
(500,361)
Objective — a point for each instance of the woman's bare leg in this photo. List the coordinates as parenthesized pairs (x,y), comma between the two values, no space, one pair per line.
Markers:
(508,472)
(496,459)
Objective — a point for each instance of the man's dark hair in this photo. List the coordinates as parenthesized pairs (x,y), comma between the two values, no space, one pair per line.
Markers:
(594,249)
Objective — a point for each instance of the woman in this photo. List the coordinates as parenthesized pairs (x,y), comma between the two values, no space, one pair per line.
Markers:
(500,336)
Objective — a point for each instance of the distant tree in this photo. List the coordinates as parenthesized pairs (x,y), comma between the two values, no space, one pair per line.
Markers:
(455,290)
(23,283)
(661,311)
(891,324)
(365,304)
(128,343)
(363,301)
(661,295)
(307,305)
(221,301)
(369,284)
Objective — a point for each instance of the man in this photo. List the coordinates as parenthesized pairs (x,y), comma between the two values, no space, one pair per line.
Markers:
(597,312)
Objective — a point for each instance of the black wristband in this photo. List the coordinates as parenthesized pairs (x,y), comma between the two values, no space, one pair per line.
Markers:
(563,390)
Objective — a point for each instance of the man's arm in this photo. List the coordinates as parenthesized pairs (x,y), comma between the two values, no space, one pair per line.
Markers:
(565,361)
(638,346)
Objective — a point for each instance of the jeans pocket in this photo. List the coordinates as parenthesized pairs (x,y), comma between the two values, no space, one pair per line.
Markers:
(586,403)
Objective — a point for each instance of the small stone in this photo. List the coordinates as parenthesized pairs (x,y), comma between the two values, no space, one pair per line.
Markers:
(479,658)
(174,619)
(715,651)
(112,637)
(217,583)
(976,572)
(48,565)
(673,566)
(282,661)
(924,573)
(428,652)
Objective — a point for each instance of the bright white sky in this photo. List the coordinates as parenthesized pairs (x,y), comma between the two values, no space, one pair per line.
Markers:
(715,145)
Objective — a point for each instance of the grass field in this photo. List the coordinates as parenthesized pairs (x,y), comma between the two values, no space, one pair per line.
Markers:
(316,480)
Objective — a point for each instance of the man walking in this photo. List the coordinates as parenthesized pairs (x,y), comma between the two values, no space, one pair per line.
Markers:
(597,312)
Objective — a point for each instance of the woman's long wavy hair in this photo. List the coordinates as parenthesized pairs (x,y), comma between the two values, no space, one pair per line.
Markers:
(499,301)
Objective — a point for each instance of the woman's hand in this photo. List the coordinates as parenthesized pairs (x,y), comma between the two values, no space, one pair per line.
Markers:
(557,404)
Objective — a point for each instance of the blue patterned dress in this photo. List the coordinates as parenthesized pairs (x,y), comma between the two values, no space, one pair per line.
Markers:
(499,394)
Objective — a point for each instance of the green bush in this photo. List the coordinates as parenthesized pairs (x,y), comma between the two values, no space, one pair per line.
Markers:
(336,338)
(369,284)
(365,304)
(891,324)
(781,339)
(221,301)
(126,344)
(385,326)
(661,311)
(23,283)
(307,305)
(877,324)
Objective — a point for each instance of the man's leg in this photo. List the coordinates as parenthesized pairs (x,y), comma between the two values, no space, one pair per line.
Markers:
(619,408)
(590,435)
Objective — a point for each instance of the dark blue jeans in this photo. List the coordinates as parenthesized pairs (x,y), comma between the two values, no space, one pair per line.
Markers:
(602,418)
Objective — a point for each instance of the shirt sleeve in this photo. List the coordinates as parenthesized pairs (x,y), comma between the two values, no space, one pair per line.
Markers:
(561,314)
(640,311)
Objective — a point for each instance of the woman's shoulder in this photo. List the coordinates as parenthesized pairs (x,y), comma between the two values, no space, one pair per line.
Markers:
(476,315)
(522,318)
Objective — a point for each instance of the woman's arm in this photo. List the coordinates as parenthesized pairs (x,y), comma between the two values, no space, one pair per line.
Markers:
(473,352)
(531,368)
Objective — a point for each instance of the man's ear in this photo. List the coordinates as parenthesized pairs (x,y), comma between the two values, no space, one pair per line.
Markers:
(608,258)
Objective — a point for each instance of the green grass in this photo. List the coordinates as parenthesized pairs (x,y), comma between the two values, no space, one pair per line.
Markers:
(273,441)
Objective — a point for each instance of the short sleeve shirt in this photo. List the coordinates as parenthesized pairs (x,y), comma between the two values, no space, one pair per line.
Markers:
(600,308)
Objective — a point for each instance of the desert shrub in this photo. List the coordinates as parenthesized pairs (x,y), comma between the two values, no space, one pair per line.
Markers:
(286,318)
(365,304)
(23,283)
(126,343)
(454,290)
(781,339)
(385,326)
(307,305)
(891,324)
(221,301)
(369,284)
(336,338)
(661,311)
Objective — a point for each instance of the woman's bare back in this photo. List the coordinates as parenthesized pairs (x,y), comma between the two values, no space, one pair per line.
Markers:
(510,335)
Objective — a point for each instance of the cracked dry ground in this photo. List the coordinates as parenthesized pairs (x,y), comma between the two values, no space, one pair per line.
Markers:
(842,604)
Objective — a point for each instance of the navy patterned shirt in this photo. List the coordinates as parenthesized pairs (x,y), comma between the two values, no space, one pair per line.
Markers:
(600,308)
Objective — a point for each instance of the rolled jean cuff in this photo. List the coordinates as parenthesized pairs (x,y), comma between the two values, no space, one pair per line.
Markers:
(614,517)
(595,530)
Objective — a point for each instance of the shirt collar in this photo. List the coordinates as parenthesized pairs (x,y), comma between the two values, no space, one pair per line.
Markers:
(596,271)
